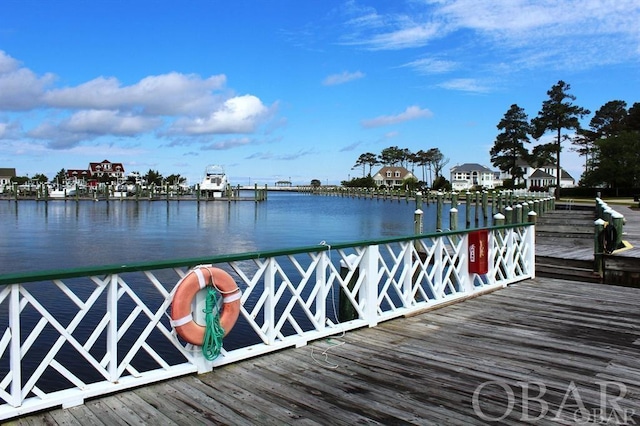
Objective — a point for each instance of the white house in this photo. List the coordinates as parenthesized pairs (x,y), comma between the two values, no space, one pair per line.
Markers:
(392,176)
(542,176)
(468,175)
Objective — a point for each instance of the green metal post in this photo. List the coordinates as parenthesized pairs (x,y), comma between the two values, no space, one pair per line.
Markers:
(598,246)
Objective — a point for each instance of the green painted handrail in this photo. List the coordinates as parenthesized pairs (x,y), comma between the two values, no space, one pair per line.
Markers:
(47,275)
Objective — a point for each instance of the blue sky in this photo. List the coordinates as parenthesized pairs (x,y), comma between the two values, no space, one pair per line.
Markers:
(290,89)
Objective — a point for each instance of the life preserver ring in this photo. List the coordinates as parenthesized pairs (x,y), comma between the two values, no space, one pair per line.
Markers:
(196,280)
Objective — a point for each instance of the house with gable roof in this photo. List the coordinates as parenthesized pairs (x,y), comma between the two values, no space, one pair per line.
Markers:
(392,176)
(5,177)
(468,175)
(78,177)
(542,177)
(98,172)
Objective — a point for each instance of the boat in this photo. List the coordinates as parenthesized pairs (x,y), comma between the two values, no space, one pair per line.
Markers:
(214,183)
(61,192)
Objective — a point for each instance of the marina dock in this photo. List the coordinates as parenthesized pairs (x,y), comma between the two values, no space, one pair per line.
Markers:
(570,344)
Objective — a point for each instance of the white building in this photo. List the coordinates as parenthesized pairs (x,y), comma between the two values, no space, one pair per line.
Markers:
(542,176)
(468,175)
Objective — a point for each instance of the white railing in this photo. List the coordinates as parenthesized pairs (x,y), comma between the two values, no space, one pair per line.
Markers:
(76,334)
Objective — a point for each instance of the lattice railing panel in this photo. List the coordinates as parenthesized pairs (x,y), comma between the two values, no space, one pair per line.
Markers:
(73,335)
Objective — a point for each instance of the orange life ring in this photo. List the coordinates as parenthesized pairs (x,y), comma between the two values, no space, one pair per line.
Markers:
(196,280)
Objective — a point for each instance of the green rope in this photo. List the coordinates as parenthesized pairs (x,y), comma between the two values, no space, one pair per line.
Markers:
(214,332)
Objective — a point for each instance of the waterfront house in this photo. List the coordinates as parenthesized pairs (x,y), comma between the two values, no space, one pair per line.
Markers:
(469,175)
(542,177)
(105,170)
(392,176)
(5,177)
(77,177)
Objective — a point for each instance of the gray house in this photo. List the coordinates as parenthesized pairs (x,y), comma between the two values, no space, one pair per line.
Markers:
(469,175)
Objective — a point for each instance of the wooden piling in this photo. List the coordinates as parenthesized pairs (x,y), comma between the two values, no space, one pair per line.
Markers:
(439,206)
(484,205)
(453,219)
(598,245)
(467,210)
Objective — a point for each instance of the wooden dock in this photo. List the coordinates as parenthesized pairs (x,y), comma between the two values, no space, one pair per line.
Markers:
(573,346)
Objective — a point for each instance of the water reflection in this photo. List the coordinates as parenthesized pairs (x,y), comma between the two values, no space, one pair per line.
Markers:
(38,235)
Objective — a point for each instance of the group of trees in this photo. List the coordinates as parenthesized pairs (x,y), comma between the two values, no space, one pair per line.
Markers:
(152,177)
(431,163)
(611,145)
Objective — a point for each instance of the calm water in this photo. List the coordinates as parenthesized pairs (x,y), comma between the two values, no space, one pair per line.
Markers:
(58,234)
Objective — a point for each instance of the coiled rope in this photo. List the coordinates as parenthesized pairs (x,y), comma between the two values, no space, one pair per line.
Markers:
(213,334)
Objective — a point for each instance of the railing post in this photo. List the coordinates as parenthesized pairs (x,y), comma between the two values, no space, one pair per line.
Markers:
(438,259)
(15,357)
(323,290)
(369,289)
(112,328)
(407,282)
(269,303)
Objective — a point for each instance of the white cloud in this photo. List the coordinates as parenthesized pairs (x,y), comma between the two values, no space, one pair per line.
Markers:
(20,88)
(109,122)
(411,113)
(242,114)
(412,36)
(465,85)
(187,104)
(90,124)
(168,94)
(7,63)
(342,78)
(9,130)
(432,66)
(569,34)
(227,144)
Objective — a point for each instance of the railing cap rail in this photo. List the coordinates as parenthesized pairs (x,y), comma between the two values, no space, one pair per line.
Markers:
(47,275)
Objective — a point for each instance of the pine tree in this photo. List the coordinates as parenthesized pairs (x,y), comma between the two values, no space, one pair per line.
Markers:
(558,113)
(509,146)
